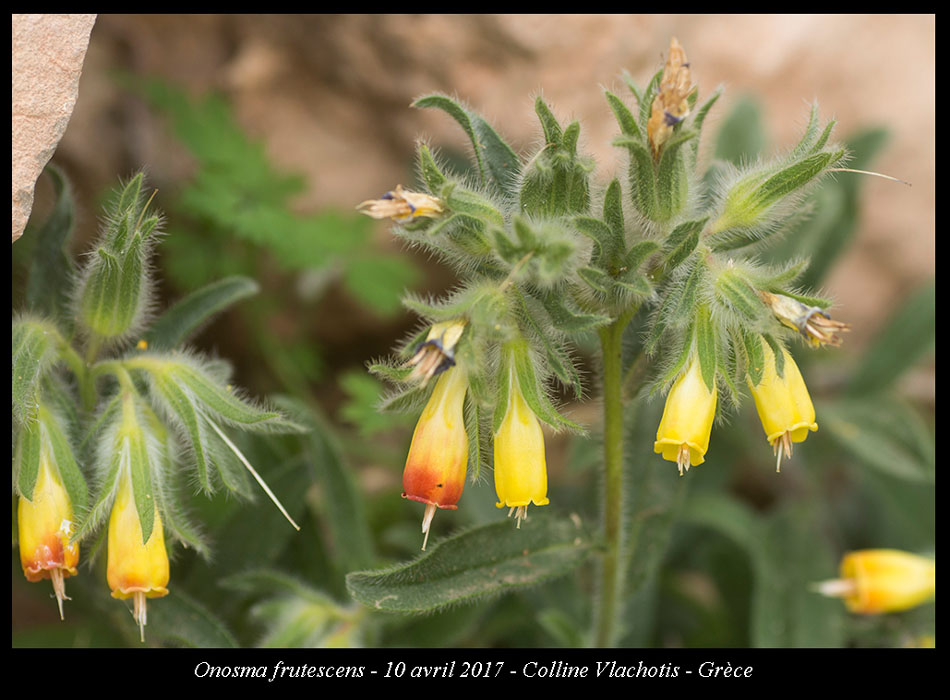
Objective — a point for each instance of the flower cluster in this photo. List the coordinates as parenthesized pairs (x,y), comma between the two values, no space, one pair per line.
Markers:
(161,410)
(437,463)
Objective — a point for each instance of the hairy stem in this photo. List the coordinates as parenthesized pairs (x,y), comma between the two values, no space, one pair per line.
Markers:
(610,583)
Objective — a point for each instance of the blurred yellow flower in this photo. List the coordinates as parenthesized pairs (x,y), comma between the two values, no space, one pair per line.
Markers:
(438,456)
(783,403)
(45,525)
(683,435)
(401,205)
(520,471)
(135,569)
(875,581)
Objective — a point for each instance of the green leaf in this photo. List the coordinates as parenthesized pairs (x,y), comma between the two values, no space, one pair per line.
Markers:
(907,337)
(738,295)
(63,458)
(497,163)
(181,619)
(430,171)
(484,561)
(136,451)
(884,434)
(342,506)
(52,269)
(179,405)
(552,130)
(682,241)
(641,176)
(186,316)
(26,458)
(568,318)
(625,118)
(535,396)
(33,353)
(672,180)
(706,347)
(794,554)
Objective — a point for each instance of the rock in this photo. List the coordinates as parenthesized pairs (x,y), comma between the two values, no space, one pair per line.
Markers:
(48,52)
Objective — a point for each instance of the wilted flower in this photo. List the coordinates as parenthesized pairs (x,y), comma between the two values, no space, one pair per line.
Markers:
(438,456)
(875,581)
(401,205)
(437,353)
(670,105)
(783,403)
(683,435)
(521,476)
(45,527)
(135,569)
(815,325)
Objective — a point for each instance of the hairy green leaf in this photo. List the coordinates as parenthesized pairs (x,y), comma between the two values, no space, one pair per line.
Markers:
(484,561)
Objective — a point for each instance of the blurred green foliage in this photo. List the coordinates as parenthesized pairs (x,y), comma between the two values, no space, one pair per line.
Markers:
(236,216)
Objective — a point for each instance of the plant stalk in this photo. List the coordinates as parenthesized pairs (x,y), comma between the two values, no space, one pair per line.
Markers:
(610,583)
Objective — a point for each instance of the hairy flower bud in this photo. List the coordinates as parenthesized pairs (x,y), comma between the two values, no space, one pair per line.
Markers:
(438,456)
(683,435)
(521,476)
(135,569)
(875,581)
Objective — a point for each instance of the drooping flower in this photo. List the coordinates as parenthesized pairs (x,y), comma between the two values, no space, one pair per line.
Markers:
(683,435)
(135,569)
(670,105)
(875,581)
(815,326)
(783,403)
(521,476)
(437,353)
(45,525)
(402,205)
(438,456)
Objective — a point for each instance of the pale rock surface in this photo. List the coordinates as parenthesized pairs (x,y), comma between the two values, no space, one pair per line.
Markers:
(48,53)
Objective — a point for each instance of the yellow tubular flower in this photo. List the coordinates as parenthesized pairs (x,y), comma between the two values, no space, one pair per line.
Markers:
(135,570)
(683,435)
(438,457)
(875,581)
(45,525)
(521,476)
(783,403)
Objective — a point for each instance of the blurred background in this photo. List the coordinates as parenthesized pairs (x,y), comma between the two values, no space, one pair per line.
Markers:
(262,133)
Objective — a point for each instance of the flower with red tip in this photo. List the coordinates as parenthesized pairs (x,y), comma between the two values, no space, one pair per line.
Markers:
(438,456)
(45,526)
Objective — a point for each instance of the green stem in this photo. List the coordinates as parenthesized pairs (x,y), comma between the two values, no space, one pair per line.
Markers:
(610,582)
